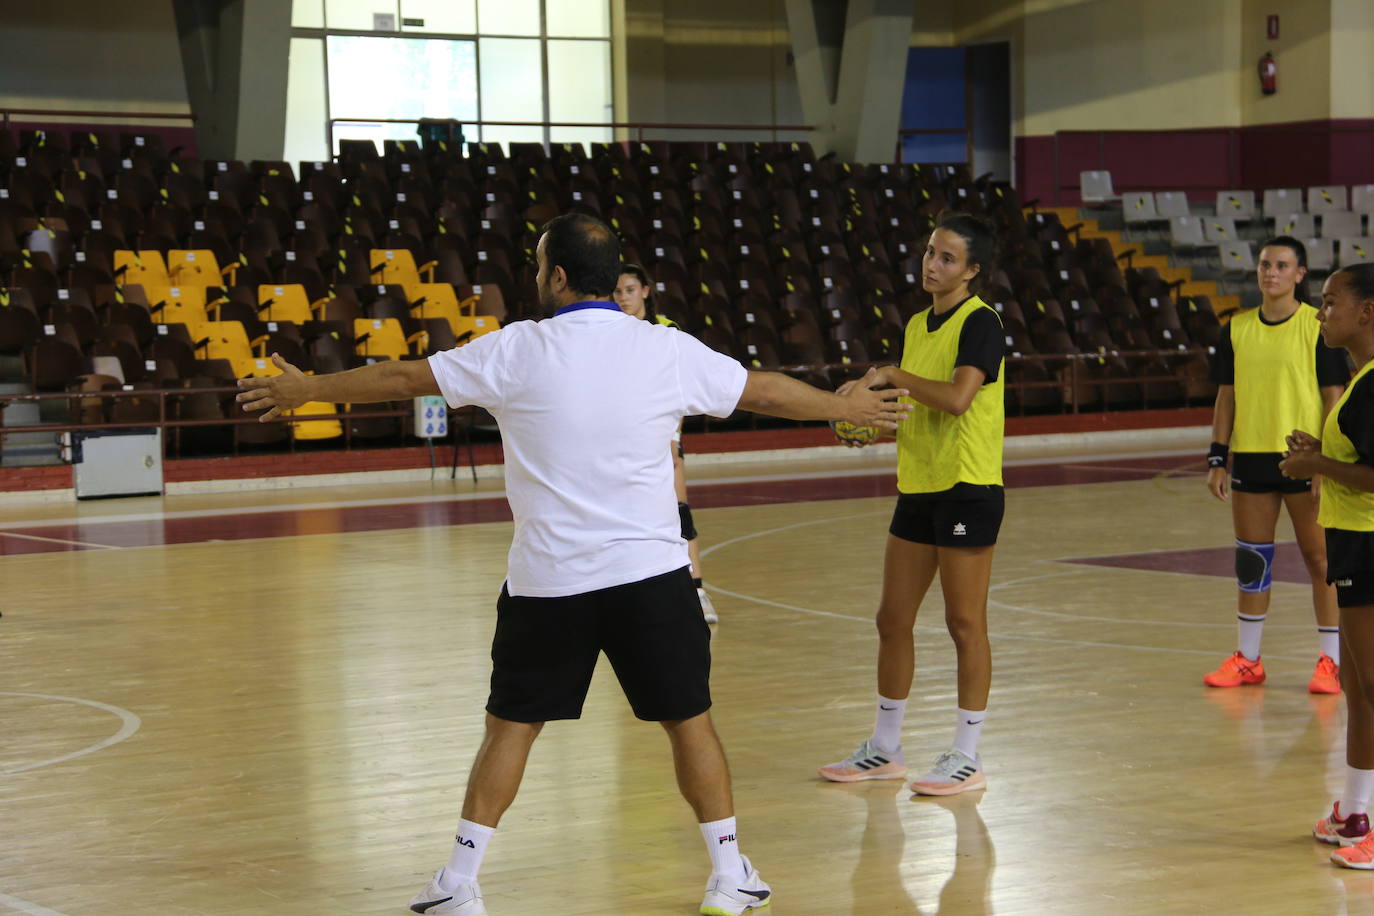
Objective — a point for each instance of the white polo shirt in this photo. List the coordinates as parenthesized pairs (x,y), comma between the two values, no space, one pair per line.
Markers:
(587,402)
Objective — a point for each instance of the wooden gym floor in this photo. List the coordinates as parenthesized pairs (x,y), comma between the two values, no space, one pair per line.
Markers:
(267,702)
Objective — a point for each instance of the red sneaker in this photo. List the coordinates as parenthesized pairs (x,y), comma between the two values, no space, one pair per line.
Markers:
(1326,678)
(1235,671)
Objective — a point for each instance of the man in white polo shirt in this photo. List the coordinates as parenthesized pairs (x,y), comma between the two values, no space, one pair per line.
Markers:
(585,401)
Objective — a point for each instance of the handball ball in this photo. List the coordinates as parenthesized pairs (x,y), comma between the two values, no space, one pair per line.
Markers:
(858,435)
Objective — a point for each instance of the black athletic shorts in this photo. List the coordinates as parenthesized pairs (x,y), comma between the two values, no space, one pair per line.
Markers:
(1258,472)
(965,515)
(546,649)
(1350,566)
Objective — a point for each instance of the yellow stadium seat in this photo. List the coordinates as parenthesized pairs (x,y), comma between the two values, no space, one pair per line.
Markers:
(146,267)
(383,337)
(287,302)
(397,265)
(470,327)
(179,304)
(228,340)
(197,267)
(302,430)
(435,300)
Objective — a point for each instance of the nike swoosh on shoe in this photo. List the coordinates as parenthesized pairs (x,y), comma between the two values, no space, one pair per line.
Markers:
(422,907)
(762,895)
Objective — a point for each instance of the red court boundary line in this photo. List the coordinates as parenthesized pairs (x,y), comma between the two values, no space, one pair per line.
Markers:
(417,513)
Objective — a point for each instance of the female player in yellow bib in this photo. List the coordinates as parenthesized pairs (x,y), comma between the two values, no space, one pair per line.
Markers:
(1344,457)
(633,295)
(1274,375)
(949,507)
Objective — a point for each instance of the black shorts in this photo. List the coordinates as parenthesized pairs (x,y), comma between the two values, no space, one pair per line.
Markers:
(546,649)
(1258,472)
(1350,566)
(965,515)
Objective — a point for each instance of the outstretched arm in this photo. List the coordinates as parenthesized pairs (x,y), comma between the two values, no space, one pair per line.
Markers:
(779,395)
(392,380)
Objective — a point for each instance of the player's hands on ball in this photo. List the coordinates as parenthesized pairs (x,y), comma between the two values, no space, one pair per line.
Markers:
(276,394)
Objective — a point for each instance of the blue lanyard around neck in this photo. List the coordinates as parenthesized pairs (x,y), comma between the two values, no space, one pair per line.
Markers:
(589,304)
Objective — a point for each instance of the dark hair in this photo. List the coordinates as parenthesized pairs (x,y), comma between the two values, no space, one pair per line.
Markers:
(1360,279)
(980,240)
(642,275)
(586,249)
(1300,252)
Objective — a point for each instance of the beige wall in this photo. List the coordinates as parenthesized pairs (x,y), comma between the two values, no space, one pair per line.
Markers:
(1352,59)
(1118,64)
(1076,64)
(1301,51)
(91,54)
(710,62)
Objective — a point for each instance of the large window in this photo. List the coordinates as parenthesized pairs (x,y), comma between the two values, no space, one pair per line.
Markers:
(392,61)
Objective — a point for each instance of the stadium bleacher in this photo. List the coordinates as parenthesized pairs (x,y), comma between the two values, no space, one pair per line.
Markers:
(129,268)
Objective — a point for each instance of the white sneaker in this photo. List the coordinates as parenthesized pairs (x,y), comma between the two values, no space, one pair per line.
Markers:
(868,762)
(953,772)
(727,896)
(463,900)
(708,610)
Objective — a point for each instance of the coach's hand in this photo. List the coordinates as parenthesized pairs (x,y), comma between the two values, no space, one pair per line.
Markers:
(871,407)
(277,394)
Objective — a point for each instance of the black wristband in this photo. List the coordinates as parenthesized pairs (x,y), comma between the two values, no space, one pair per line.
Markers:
(1217,455)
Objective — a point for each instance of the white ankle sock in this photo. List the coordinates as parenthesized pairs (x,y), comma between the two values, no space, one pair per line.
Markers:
(887,724)
(1251,630)
(968,730)
(1359,784)
(1330,639)
(723,847)
(469,846)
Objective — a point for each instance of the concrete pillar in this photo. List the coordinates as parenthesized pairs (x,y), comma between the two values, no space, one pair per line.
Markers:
(235,55)
(851,66)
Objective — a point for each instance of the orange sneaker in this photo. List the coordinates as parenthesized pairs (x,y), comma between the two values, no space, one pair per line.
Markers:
(1235,671)
(1326,678)
(1361,855)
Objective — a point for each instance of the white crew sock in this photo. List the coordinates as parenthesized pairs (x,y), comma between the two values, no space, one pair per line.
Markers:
(1251,630)
(968,730)
(1359,784)
(887,724)
(1330,639)
(723,847)
(469,846)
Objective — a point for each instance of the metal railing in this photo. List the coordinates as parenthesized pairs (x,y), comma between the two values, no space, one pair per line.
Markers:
(638,126)
(1068,376)
(7,113)
(165,420)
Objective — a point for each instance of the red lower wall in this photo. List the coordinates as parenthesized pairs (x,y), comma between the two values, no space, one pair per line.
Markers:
(1200,161)
(343,462)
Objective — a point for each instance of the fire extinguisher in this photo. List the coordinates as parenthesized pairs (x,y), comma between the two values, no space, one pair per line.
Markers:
(1268,74)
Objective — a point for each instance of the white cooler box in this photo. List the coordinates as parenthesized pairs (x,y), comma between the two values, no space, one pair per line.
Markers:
(117,462)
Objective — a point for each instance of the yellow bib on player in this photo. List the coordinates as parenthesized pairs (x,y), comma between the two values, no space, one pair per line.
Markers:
(1276,379)
(936,450)
(1343,506)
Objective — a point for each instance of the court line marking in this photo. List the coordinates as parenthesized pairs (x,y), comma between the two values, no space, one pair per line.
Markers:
(1097,619)
(23,906)
(889,470)
(940,629)
(34,537)
(129,723)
